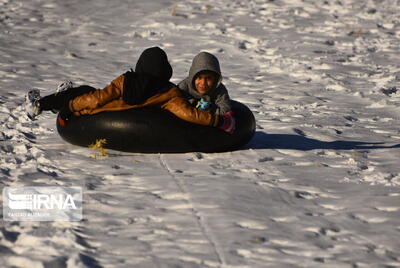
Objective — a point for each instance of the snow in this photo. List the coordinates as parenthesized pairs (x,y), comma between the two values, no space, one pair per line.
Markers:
(318,185)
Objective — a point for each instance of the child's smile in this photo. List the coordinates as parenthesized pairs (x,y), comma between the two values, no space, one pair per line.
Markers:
(205,82)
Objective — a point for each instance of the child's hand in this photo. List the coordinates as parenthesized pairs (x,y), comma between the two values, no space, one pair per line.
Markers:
(203,105)
(228,122)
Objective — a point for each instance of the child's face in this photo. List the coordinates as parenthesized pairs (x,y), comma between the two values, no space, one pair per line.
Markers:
(205,82)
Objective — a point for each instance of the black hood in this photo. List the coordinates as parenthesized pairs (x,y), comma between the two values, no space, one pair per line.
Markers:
(154,62)
(152,74)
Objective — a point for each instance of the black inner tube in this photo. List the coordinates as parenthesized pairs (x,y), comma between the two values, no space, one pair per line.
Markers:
(150,130)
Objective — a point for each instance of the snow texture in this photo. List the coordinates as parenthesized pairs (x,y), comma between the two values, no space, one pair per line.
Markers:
(317,186)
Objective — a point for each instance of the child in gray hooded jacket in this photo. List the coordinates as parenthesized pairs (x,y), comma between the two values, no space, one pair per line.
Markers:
(203,87)
(204,90)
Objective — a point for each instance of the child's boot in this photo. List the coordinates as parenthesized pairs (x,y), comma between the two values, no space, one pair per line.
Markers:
(32,105)
(64,86)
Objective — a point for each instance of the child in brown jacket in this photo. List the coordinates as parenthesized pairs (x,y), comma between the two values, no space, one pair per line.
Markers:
(148,85)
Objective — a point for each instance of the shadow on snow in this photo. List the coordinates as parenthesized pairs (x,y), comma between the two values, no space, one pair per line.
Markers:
(263,140)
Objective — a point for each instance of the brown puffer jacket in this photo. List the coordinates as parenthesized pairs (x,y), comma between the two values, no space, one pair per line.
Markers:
(110,99)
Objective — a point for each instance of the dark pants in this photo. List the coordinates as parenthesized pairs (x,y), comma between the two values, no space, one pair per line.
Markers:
(57,101)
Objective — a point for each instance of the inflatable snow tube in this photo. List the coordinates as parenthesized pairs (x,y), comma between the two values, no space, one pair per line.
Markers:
(149,130)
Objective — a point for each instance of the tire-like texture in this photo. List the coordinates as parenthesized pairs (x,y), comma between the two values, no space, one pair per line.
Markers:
(150,130)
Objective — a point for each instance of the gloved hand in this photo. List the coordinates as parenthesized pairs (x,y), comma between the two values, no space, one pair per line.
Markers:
(227,122)
(203,105)
(64,115)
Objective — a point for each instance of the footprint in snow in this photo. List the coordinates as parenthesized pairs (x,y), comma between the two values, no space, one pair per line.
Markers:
(251,225)
(299,131)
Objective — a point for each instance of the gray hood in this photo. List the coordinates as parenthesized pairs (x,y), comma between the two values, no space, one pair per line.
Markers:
(203,61)
(219,97)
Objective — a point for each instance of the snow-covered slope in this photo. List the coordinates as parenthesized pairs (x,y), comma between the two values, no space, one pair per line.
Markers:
(318,186)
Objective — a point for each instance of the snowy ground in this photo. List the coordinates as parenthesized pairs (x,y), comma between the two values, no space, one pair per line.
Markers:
(318,186)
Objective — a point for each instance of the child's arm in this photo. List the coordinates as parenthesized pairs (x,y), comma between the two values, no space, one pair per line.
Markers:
(179,106)
(99,97)
(222,101)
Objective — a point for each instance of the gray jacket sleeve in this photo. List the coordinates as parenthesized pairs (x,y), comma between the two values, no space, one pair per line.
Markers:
(222,100)
(184,87)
